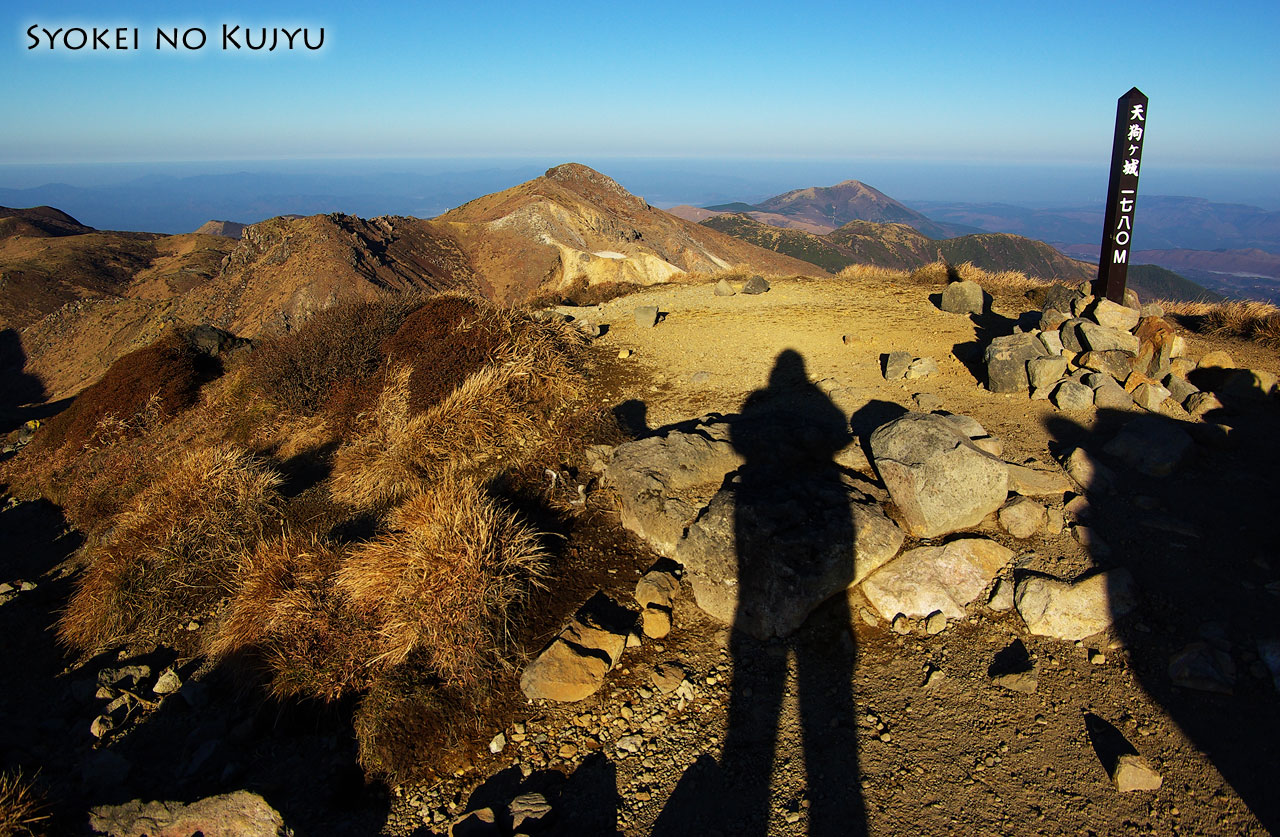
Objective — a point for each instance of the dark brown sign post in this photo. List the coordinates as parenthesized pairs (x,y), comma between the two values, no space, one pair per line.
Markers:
(1122,195)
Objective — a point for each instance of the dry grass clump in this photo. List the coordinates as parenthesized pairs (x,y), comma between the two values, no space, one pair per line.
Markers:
(501,415)
(1245,319)
(872,273)
(336,348)
(287,613)
(1009,280)
(581,292)
(444,579)
(145,386)
(171,553)
(22,808)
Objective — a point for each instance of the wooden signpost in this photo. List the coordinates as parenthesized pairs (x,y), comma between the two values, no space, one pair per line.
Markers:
(1122,195)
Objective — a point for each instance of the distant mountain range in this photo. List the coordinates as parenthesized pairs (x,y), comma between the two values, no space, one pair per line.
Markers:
(822,209)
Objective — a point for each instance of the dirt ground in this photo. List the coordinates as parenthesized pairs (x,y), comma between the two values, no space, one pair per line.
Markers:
(909,733)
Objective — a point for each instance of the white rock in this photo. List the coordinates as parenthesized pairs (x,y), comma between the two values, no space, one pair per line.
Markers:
(1074,610)
(932,579)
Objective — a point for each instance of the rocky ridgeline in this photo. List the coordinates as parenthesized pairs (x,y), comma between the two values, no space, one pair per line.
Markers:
(1081,351)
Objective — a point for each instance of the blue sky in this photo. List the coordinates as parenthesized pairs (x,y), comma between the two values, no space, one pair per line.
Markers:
(933,81)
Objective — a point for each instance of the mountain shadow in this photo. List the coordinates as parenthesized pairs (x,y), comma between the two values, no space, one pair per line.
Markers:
(793,530)
(1204,641)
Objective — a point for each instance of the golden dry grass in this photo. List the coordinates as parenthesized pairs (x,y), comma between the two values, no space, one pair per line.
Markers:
(872,273)
(286,612)
(22,808)
(444,580)
(1244,319)
(171,552)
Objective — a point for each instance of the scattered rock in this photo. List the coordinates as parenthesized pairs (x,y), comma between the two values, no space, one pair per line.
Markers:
(657,587)
(1113,315)
(926,402)
(723,288)
(1109,395)
(1219,360)
(167,683)
(1201,403)
(931,579)
(646,316)
(1006,361)
(655,622)
(1052,341)
(1152,445)
(1072,396)
(1149,396)
(1115,364)
(238,814)
(1203,667)
(481,822)
(574,665)
(1022,517)
(1134,773)
(962,297)
(1001,596)
(895,365)
(1088,472)
(528,809)
(921,367)
(1046,371)
(1030,482)
(667,677)
(1024,682)
(1073,610)
(938,479)
(935,624)
(498,743)
(755,285)
(1099,338)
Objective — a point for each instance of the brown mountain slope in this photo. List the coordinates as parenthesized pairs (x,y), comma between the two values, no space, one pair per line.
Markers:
(575,224)
(229,229)
(831,207)
(38,221)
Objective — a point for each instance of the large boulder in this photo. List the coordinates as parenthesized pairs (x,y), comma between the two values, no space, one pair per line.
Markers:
(962,297)
(764,556)
(933,579)
(940,481)
(1073,610)
(1006,361)
(238,814)
(657,479)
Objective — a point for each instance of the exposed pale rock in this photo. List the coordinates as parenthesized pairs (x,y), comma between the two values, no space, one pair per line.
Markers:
(921,367)
(1180,389)
(528,809)
(657,587)
(1088,472)
(574,665)
(1030,482)
(936,578)
(1149,396)
(238,814)
(646,316)
(1109,395)
(723,288)
(1115,363)
(1200,403)
(962,297)
(896,364)
(989,444)
(938,479)
(1045,371)
(655,622)
(1134,773)
(1072,396)
(756,285)
(1022,517)
(1001,595)
(1218,359)
(1077,609)
(1072,339)
(1113,315)
(1052,341)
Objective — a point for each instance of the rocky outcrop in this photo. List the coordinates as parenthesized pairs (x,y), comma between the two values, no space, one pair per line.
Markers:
(238,814)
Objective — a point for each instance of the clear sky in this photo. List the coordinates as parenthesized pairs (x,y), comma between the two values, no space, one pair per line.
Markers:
(934,81)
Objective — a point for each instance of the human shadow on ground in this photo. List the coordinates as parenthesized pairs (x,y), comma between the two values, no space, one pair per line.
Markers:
(17,386)
(1199,544)
(793,529)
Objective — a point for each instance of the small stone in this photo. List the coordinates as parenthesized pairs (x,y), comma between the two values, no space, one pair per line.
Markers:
(895,365)
(1077,609)
(1024,682)
(934,677)
(1053,522)
(1111,396)
(1203,667)
(699,378)
(962,297)
(1096,657)
(1046,371)
(528,809)
(1149,396)
(1113,315)
(656,622)
(498,743)
(927,402)
(1099,338)
(1022,517)
(935,624)
(1030,482)
(1180,389)
(1088,472)
(623,354)
(990,444)
(193,625)
(1219,359)
(1052,341)
(167,683)
(567,750)
(1134,773)
(667,677)
(921,367)
(1001,595)
(723,288)
(630,744)
(101,726)
(755,285)
(1201,403)
(1088,538)
(901,624)
(657,588)
(646,316)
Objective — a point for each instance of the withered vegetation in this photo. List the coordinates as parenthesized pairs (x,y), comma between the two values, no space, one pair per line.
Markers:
(22,808)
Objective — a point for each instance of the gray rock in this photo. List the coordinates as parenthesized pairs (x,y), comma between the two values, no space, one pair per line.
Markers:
(654,475)
(932,579)
(1203,667)
(1180,389)
(895,365)
(1111,396)
(1113,315)
(1117,364)
(1072,340)
(1046,371)
(528,809)
(1151,445)
(938,479)
(967,425)
(646,316)
(1098,338)
(766,562)
(238,814)
(1082,304)
(1073,610)
(1006,361)
(1072,396)
(723,288)
(926,402)
(1052,341)
(755,285)
(657,588)
(1022,517)
(935,624)
(1152,309)
(655,621)
(962,297)
(1200,403)
(1059,298)
(921,367)
(1024,682)
(1088,472)
(167,683)
(1001,596)
(1052,320)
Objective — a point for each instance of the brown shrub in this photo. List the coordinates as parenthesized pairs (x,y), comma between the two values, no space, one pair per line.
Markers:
(170,554)
(1244,319)
(337,348)
(411,728)
(140,389)
(444,341)
(286,614)
(874,273)
(444,581)
(22,808)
